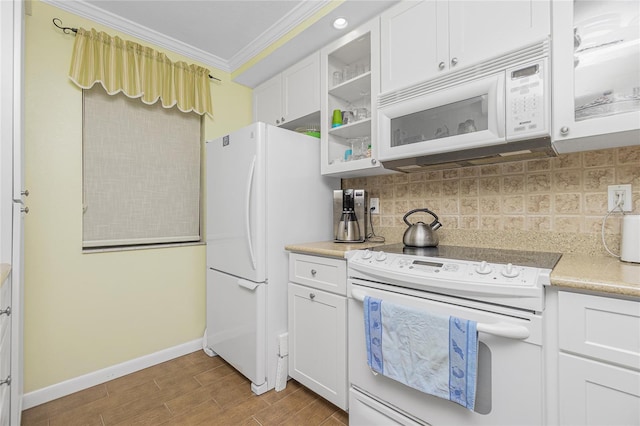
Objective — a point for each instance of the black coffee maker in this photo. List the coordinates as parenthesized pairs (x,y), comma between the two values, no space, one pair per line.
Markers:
(349,215)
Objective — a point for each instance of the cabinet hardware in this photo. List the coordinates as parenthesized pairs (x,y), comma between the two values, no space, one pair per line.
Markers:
(277,121)
(564,130)
(6,381)
(454,62)
(24,210)
(312,296)
(25,192)
(314,272)
(282,119)
(441,65)
(6,312)
(374,161)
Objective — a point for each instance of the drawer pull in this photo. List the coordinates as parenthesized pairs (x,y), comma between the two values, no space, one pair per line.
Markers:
(6,312)
(312,296)
(314,272)
(6,381)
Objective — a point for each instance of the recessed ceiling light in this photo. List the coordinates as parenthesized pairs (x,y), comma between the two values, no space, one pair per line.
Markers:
(340,23)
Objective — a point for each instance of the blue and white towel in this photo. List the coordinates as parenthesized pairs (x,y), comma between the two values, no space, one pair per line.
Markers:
(432,353)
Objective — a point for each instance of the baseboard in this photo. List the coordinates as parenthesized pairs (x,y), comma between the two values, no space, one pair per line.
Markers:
(76,384)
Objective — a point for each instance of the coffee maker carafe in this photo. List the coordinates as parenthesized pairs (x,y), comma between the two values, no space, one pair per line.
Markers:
(349,215)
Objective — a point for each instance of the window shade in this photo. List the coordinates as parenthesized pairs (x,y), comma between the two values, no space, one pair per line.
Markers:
(141,172)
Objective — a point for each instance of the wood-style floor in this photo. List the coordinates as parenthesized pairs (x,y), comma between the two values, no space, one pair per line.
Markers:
(190,390)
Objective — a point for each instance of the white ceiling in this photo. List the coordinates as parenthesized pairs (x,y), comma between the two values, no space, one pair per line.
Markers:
(226,34)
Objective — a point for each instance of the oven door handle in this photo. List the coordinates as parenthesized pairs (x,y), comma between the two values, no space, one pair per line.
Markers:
(500,329)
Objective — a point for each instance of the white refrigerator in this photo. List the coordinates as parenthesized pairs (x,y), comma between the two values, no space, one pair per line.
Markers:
(264,191)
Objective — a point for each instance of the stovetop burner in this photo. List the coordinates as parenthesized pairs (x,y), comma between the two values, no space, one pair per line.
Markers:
(545,260)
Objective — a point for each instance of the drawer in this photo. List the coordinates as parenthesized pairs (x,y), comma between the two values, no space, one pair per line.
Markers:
(319,272)
(603,328)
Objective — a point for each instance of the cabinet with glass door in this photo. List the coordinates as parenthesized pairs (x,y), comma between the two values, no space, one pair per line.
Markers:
(596,74)
(349,87)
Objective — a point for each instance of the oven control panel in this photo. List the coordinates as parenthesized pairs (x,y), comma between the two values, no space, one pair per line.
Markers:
(444,269)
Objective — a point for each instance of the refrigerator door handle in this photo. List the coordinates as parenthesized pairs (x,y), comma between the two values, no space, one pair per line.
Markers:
(248,210)
(250,285)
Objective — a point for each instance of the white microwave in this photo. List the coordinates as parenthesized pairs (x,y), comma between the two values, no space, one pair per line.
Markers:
(471,117)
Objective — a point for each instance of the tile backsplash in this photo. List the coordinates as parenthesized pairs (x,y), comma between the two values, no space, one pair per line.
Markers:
(557,202)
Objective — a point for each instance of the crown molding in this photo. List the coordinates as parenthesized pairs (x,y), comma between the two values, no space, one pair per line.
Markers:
(296,16)
(299,14)
(88,11)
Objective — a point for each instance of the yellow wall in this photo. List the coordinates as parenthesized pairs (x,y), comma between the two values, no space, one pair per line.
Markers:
(85,312)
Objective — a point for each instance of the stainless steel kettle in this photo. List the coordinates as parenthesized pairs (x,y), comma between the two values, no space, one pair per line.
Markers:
(420,234)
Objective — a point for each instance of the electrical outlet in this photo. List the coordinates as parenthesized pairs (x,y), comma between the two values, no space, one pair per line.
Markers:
(374,203)
(619,191)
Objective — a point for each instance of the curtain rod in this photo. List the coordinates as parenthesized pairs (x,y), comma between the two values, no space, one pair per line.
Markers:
(67,30)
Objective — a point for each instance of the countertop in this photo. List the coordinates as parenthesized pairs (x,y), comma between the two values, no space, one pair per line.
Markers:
(602,274)
(597,273)
(329,248)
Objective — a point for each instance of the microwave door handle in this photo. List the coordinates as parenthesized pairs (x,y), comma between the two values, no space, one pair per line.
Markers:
(501,110)
(500,329)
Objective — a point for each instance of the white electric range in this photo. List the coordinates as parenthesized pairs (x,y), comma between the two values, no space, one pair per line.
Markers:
(501,290)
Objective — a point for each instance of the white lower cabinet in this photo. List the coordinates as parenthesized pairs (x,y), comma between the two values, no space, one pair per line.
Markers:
(318,326)
(597,393)
(599,360)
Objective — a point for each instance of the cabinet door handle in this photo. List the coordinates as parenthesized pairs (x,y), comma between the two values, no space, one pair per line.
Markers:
(25,210)
(374,161)
(441,65)
(564,130)
(6,312)
(312,296)
(314,272)
(6,381)
(25,192)
(282,119)
(454,62)
(277,121)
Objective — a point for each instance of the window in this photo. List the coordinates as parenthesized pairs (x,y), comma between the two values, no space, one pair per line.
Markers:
(141,172)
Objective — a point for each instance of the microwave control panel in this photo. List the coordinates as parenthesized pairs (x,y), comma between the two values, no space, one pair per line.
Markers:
(527,98)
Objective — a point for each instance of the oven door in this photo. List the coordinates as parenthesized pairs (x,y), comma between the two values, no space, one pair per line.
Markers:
(467,115)
(509,381)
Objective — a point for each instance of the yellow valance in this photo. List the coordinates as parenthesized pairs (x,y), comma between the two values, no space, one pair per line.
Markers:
(138,72)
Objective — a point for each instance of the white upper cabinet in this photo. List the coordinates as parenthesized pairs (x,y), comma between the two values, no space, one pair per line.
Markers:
(596,74)
(267,101)
(301,88)
(421,40)
(291,97)
(413,36)
(349,85)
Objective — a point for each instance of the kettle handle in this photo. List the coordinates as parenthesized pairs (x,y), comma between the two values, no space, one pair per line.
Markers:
(434,225)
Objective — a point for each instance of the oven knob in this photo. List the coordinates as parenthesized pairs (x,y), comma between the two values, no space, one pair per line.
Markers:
(381,256)
(509,271)
(367,254)
(483,268)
